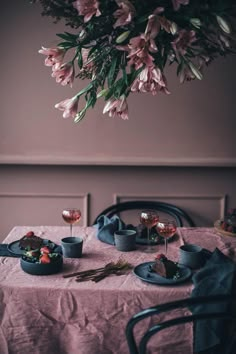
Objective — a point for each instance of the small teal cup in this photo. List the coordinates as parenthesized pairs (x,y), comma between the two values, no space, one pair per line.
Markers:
(125,240)
(72,247)
(191,256)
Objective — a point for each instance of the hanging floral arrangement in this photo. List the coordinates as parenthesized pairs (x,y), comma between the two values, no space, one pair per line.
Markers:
(124,46)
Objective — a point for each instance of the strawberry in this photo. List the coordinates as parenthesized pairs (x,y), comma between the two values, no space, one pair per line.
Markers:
(160,256)
(45,250)
(30,234)
(44,259)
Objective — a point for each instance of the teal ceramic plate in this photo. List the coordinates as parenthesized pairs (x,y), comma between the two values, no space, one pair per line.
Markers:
(15,249)
(142,271)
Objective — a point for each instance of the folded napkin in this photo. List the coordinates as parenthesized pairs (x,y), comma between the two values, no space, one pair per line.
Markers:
(106,227)
(4,252)
(215,278)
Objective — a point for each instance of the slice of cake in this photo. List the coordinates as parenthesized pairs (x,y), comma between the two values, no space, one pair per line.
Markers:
(165,267)
(30,241)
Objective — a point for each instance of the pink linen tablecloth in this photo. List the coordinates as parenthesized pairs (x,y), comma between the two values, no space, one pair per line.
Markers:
(50,314)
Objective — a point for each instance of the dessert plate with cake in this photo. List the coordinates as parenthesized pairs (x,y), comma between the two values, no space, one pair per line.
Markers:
(162,271)
(31,242)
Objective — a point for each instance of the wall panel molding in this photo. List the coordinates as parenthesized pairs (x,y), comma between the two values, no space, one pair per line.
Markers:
(84,197)
(221,199)
(116,161)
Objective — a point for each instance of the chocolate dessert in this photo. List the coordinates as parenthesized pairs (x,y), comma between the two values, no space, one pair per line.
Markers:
(30,241)
(165,267)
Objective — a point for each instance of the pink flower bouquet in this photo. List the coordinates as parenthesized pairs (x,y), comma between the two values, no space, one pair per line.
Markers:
(124,46)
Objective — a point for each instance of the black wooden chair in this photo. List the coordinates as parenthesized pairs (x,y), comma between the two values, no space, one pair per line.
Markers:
(175,212)
(228,314)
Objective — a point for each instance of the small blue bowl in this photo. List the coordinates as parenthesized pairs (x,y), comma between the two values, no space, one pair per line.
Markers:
(42,269)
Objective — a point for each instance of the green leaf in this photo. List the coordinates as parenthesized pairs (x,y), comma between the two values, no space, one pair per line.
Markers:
(111,75)
(125,77)
(80,60)
(86,89)
(67,36)
(66,45)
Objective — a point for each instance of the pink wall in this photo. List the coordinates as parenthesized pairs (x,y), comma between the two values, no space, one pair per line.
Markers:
(195,123)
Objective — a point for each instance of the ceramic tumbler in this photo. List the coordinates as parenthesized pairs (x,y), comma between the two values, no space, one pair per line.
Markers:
(191,256)
(72,247)
(125,240)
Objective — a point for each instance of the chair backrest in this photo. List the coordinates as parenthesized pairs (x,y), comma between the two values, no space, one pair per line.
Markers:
(177,213)
(193,302)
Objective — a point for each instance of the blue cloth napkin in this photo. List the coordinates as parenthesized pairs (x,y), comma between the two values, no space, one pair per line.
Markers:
(216,277)
(107,227)
(4,252)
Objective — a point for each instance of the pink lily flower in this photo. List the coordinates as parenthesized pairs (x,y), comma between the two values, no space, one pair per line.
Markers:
(117,107)
(177,3)
(54,55)
(153,27)
(125,14)
(69,107)
(151,80)
(64,73)
(139,51)
(87,8)
(184,39)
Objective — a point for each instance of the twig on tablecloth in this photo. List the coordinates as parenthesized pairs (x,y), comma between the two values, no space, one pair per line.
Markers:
(98,274)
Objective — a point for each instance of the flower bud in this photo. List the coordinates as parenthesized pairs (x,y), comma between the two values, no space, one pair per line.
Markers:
(102,93)
(173,28)
(195,22)
(223,24)
(195,71)
(122,37)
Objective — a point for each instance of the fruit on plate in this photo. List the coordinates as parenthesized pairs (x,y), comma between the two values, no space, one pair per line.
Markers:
(229,222)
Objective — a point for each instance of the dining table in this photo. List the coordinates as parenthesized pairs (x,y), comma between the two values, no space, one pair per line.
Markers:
(54,314)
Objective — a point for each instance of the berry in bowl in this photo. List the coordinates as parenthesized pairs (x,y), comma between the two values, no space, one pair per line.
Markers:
(41,261)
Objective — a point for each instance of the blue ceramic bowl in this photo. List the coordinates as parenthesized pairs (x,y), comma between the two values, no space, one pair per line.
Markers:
(42,269)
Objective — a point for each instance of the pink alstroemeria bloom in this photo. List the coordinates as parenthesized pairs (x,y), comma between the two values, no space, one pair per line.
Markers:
(184,39)
(64,73)
(153,27)
(117,107)
(69,106)
(87,8)
(151,80)
(54,55)
(139,51)
(177,3)
(125,14)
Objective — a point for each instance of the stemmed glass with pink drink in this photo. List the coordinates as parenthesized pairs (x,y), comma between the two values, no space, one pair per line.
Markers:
(71,216)
(166,228)
(149,218)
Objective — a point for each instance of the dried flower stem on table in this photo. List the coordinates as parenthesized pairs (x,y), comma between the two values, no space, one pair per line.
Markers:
(98,274)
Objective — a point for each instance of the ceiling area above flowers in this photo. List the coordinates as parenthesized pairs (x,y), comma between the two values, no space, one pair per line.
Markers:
(125,46)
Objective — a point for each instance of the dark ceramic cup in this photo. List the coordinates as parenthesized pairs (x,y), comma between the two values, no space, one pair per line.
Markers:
(125,240)
(191,256)
(72,247)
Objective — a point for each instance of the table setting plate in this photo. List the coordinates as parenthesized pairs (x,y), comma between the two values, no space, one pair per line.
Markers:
(142,272)
(15,249)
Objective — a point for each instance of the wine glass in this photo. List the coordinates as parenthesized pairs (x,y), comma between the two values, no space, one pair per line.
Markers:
(149,218)
(166,228)
(71,216)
